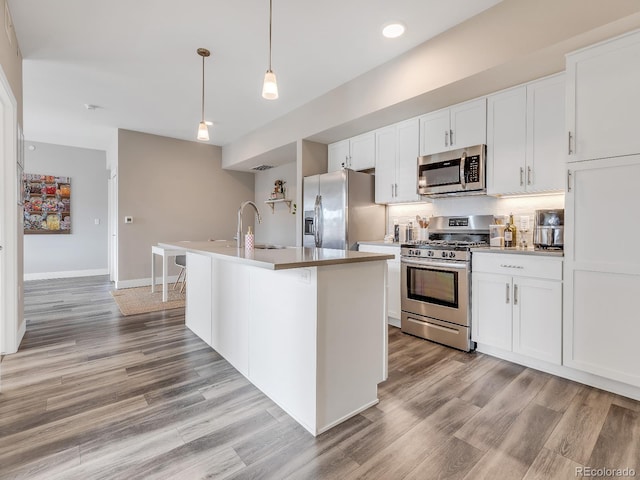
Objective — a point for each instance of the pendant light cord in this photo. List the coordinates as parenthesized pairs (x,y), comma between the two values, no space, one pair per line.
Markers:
(270,22)
(203,88)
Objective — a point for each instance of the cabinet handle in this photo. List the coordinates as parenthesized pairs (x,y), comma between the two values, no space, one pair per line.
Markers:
(570,151)
(451,137)
(568,180)
(507,293)
(446,138)
(528,175)
(515,294)
(521,176)
(396,185)
(504,265)
(392,194)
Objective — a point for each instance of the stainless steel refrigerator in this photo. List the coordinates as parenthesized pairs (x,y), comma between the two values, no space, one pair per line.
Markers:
(339,210)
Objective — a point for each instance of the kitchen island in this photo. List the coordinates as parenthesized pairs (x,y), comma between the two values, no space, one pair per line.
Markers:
(307,326)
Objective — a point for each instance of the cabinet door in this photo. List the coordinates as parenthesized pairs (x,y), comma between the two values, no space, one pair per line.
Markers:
(407,162)
(469,124)
(603,99)
(385,177)
(393,289)
(491,310)
(537,319)
(434,132)
(338,156)
(363,152)
(506,141)
(602,281)
(546,141)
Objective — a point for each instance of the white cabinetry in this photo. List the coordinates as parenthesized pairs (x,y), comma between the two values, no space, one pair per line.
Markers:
(396,159)
(602,325)
(603,99)
(198,307)
(393,279)
(517,304)
(458,126)
(525,138)
(357,153)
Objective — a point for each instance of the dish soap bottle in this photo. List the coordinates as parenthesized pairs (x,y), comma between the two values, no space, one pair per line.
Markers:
(248,241)
(510,233)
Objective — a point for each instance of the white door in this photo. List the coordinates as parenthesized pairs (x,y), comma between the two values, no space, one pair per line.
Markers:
(407,161)
(468,124)
(602,269)
(363,152)
(506,141)
(603,99)
(537,319)
(491,310)
(385,177)
(546,141)
(434,132)
(338,156)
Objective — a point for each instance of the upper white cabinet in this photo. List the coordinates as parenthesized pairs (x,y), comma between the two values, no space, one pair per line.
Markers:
(525,138)
(396,162)
(603,99)
(459,126)
(357,153)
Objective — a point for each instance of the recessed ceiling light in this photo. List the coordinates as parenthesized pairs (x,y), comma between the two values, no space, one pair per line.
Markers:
(393,30)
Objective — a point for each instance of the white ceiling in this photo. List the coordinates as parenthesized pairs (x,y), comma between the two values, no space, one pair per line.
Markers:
(137,60)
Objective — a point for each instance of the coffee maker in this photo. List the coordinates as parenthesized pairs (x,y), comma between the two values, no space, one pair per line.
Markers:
(548,231)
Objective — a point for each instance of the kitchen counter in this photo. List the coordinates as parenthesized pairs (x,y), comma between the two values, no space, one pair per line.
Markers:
(279,258)
(290,320)
(519,251)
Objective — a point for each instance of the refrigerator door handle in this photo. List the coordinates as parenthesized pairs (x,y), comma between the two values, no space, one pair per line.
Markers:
(317,209)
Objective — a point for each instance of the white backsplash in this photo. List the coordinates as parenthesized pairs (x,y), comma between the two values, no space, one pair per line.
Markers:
(476,205)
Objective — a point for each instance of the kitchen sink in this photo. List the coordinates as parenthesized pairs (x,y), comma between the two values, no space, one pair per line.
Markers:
(267,246)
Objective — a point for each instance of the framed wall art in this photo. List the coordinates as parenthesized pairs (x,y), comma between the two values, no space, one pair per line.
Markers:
(47,204)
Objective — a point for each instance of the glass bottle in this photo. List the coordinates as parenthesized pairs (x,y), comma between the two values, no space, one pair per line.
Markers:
(510,233)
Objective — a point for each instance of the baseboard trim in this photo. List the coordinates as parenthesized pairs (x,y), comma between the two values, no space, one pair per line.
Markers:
(143,282)
(66,274)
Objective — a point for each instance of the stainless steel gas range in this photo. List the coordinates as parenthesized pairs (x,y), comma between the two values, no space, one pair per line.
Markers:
(436,280)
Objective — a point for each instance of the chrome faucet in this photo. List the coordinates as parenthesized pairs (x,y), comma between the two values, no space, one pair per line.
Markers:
(239,232)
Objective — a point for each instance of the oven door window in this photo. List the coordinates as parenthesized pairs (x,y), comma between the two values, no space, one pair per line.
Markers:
(443,173)
(428,285)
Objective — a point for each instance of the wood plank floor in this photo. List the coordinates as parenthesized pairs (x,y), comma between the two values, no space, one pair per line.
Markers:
(95,395)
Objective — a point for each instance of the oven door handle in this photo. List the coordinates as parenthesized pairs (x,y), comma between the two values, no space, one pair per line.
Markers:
(444,265)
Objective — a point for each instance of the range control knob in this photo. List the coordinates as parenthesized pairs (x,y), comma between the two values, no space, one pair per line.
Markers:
(444,254)
(452,254)
(431,253)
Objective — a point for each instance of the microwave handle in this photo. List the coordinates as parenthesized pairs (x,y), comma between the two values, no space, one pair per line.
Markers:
(463,158)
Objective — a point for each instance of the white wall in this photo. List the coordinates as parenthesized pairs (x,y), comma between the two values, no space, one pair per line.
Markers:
(278,227)
(84,251)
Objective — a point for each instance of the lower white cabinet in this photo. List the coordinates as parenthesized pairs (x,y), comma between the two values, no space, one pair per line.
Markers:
(517,304)
(393,279)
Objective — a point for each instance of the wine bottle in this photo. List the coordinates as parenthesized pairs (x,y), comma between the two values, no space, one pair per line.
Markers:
(510,233)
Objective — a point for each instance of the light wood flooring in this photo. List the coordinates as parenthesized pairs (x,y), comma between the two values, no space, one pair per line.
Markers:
(93,395)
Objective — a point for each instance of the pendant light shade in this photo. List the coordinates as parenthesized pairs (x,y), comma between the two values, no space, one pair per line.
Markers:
(203,131)
(270,86)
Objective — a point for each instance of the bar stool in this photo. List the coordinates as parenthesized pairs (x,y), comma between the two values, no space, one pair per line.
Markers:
(181,261)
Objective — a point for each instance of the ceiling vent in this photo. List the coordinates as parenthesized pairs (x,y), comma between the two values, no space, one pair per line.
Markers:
(260,168)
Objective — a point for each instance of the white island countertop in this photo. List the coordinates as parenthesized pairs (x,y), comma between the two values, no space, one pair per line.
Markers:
(276,258)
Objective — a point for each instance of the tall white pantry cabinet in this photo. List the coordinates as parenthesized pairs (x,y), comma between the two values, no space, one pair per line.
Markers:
(602,264)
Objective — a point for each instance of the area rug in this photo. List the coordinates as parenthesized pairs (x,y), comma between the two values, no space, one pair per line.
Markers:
(132,301)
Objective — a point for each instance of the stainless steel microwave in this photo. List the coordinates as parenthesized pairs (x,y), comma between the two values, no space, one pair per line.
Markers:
(456,172)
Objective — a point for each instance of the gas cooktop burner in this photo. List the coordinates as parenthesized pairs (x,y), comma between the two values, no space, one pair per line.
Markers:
(445,244)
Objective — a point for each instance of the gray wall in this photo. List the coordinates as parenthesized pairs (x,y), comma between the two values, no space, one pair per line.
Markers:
(174,190)
(279,226)
(85,249)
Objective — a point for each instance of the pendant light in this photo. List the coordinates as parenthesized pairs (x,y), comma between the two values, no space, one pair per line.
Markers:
(203,131)
(270,87)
